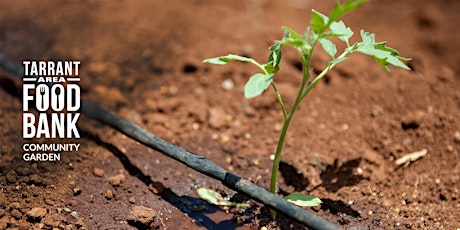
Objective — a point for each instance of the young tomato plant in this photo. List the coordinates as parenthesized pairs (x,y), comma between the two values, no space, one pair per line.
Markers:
(321,29)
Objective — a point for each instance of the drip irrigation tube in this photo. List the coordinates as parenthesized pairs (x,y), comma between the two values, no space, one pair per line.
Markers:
(194,161)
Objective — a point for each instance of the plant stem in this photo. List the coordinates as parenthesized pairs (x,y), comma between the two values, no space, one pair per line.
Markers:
(321,75)
(276,161)
(279,148)
(287,120)
(303,91)
(280,100)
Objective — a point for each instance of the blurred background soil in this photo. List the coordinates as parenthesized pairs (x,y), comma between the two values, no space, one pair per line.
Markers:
(142,61)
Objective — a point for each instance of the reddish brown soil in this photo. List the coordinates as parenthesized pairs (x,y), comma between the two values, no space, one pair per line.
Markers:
(142,61)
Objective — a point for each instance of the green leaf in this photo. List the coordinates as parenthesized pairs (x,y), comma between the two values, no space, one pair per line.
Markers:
(318,22)
(330,35)
(382,54)
(222,60)
(344,32)
(291,33)
(381,46)
(340,10)
(296,42)
(275,55)
(257,84)
(303,200)
(337,60)
(294,39)
(328,46)
(270,68)
(215,198)
(367,37)
(307,34)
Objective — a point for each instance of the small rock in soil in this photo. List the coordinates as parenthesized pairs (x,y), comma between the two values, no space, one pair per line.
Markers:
(74,214)
(51,221)
(16,214)
(248,110)
(228,84)
(216,117)
(224,138)
(413,120)
(98,172)
(375,112)
(457,136)
(277,127)
(80,224)
(76,191)
(132,200)
(11,176)
(109,194)
(36,213)
(141,216)
(35,179)
(13,205)
(344,220)
(116,180)
(156,187)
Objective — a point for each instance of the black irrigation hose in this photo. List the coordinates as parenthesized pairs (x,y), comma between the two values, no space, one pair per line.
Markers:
(194,161)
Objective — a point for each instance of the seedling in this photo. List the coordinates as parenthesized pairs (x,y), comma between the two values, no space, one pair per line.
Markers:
(322,28)
(215,198)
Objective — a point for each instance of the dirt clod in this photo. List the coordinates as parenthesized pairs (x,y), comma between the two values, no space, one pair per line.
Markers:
(35,179)
(98,172)
(141,216)
(216,117)
(37,213)
(413,120)
(16,214)
(11,176)
(108,194)
(76,191)
(457,136)
(156,187)
(117,179)
(51,220)
(132,200)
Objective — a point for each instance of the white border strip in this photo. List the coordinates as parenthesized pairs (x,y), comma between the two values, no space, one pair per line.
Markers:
(73,79)
(29,79)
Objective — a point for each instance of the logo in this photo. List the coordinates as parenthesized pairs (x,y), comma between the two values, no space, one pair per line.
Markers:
(51,89)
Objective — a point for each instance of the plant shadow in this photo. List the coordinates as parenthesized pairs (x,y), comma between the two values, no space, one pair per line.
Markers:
(335,207)
(335,177)
(186,204)
(293,177)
